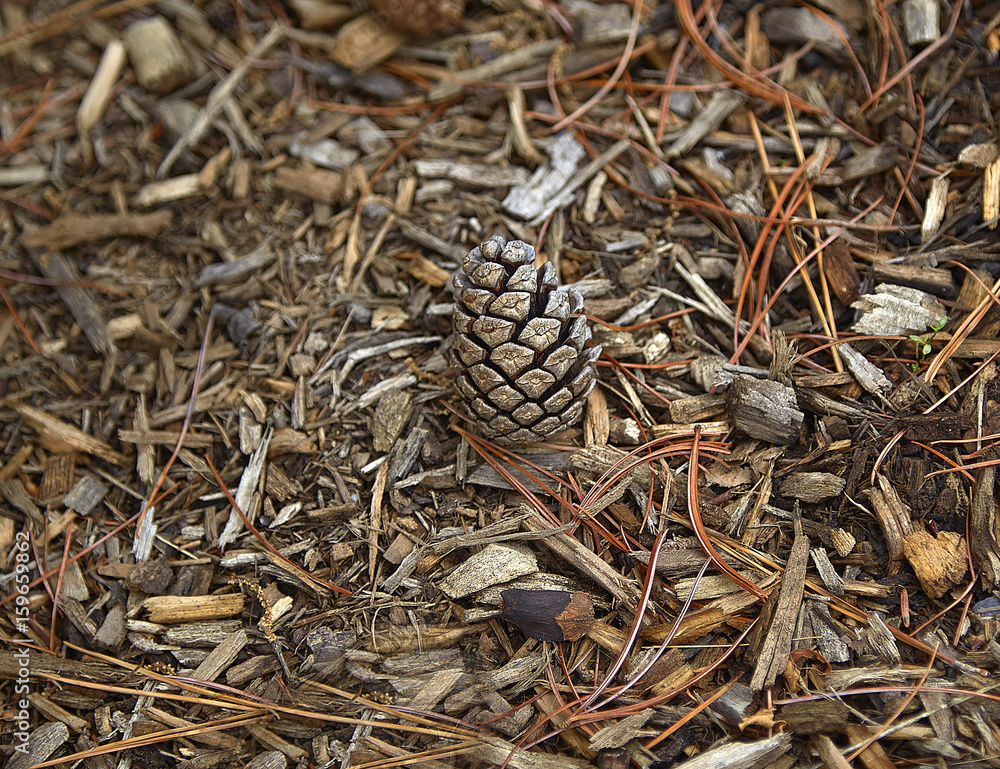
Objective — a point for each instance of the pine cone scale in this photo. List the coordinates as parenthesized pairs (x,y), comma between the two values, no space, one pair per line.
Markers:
(523,367)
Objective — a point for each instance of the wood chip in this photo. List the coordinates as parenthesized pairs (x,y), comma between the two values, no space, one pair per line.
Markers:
(180,609)
(772,639)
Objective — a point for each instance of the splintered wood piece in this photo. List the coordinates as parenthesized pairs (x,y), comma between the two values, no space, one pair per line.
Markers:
(494,68)
(57,476)
(922,19)
(934,280)
(98,95)
(86,494)
(475,174)
(77,298)
(934,208)
(983,527)
(772,644)
(893,516)
(741,754)
(867,374)
(178,609)
(160,62)
(978,155)
(221,657)
(841,272)
(168,190)
(697,408)
(735,704)
(814,717)
(843,541)
(493,751)
(319,184)
(991,194)
(364,42)
(833,581)
(322,14)
(111,635)
(423,269)
(724,102)
(796,26)
(812,487)
(764,409)
(528,198)
(897,311)
(247,497)
(391,415)
(271,759)
(874,756)
(870,160)
(578,556)
(61,437)
(71,229)
(938,561)
(493,565)
(699,622)
(43,741)
(54,712)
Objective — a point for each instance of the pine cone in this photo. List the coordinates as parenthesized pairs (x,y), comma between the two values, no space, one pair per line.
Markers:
(523,368)
(419,17)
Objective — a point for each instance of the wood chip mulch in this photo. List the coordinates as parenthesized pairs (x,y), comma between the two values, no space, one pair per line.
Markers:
(245,520)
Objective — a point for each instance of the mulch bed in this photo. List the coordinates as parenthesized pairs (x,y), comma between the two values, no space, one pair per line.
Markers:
(246,519)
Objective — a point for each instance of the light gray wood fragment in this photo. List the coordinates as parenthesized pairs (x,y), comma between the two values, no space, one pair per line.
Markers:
(222,656)
(246,492)
(42,743)
(722,104)
(833,581)
(28,174)
(599,24)
(85,495)
(880,641)
(493,751)
(232,272)
(508,62)
(868,375)
(272,759)
(741,755)
(764,409)
(812,487)
(328,153)
(829,634)
(619,732)
(580,178)
(472,174)
(796,26)
(528,199)
(112,632)
(922,19)
(897,311)
(734,705)
(391,415)
(492,565)
(79,300)
(869,161)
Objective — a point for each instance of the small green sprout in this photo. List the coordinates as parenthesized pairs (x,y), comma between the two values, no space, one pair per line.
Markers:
(923,343)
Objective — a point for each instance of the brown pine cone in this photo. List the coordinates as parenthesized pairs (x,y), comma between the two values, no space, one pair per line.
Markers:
(419,17)
(523,368)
